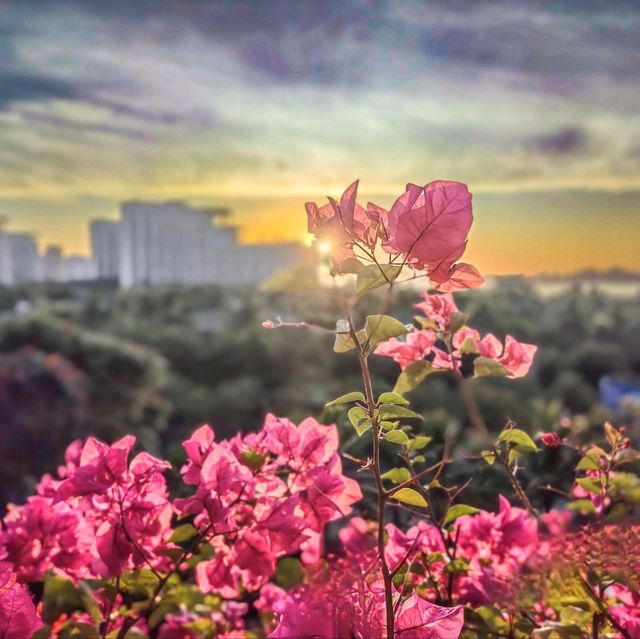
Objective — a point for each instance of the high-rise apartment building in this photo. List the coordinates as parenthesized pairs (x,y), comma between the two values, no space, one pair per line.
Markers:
(53,264)
(105,248)
(24,258)
(6,269)
(174,243)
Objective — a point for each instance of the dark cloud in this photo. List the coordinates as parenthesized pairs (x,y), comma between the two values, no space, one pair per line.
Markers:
(119,107)
(29,87)
(60,123)
(562,142)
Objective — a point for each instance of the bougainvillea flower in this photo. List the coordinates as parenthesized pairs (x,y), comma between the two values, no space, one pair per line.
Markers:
(429,226)
(460,276)
(438,308)
(417,346)
(18,616)
(341,224)
(552,440)
(517,356)
(419,619)
(99,467)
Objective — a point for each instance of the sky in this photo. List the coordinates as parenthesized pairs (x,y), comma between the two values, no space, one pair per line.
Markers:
(262,105)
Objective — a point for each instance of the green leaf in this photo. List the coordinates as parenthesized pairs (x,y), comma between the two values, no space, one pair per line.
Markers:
(392,398)
(410,497)
(457,511)
(388,425)
(379,328)
(183,533)
(77,629)
(299,279)
(487,367)
(420,442)
(557,630)
(252,459)
(456,322)
(585,505)
(489,457)
(611,434)
(426,322)
(514,455)
(360,419)
(289,573)
(397,475)
(351,265)
(518,438)
(591,459)
(590,484)
(391,411)
(60,596)
(344,342)
(459,565)
(413,375)
(397,437)
(348,399)
(374,275)
(468,347)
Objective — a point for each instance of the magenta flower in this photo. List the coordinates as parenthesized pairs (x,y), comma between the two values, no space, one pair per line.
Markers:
(438,308)
(419,619)
(552,440)
(341,224)
(18,616)
(269,493)
(429,226)
(517,356)
(417,346)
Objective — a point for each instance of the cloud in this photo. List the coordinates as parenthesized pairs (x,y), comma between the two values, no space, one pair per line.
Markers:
(567,140)
(32,87)
(226,98)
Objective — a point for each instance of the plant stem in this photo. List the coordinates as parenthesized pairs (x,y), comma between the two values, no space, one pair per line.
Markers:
(604,611)
(522,496)
(375,467)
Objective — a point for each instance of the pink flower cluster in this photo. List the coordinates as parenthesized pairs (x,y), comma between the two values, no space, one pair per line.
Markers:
(18,616)
(515,357)
(101,517)
(494,546)
(426,229)
(346,599)
(262,496)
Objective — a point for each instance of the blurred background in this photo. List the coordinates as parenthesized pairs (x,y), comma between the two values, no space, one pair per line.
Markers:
(155,157)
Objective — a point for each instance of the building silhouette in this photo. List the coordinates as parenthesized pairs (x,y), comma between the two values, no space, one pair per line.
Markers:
(154,243)
(173,243)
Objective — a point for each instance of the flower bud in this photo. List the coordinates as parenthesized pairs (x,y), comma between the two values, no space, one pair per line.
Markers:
(552,440)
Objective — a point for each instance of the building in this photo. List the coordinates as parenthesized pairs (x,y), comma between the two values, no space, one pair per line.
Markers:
(174,243)
(76,268)
(24,258)
(53,264)
(105,248)
(6,268)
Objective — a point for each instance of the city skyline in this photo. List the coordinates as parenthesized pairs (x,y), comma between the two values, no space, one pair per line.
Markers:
(152,243)
(534,105)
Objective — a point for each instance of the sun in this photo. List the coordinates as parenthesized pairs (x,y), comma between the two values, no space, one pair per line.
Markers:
(324,247)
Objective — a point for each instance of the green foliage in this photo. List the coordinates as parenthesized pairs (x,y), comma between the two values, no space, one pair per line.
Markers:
(412,376)
(379,328)
(347,399)
(518,439)
(410,497)
(397,475)
(289,573)
(360,420)
(457,511)
(373,276)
